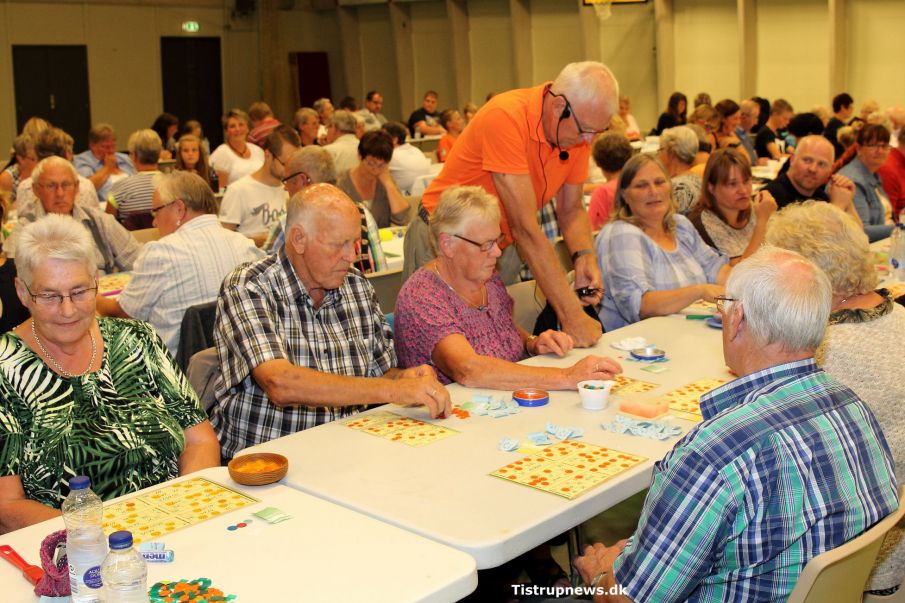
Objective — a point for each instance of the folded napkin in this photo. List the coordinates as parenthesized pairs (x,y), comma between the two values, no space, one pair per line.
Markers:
(655,430)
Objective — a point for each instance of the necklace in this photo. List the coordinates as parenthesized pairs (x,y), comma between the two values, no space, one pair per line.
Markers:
(480,307)
(53,361)
(240,154)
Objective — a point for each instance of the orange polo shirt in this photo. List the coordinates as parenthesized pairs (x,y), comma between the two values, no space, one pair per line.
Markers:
(506,136)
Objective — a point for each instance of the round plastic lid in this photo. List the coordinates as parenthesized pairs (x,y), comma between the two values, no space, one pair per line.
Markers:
(531,397)
(120,540)
(79,482)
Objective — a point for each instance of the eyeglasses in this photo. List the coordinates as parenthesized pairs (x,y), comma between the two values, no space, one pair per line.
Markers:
(575,118)
(306,177)
(55,186)
(486,245)
(56,299)
(877,146)
(154,210)
(721,301)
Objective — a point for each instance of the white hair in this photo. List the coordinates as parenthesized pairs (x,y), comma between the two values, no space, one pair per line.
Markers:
(51,162)
(53,237)
(786,298)
(588,82)
(681,141)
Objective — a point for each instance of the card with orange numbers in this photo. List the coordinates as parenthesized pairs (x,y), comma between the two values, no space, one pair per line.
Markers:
(568,469)
(173,507)
(396,428)
(685,402)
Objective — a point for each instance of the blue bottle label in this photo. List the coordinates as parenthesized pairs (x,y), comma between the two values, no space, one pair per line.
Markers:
(92,578)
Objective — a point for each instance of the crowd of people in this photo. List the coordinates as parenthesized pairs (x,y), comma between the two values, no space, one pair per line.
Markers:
(279,225)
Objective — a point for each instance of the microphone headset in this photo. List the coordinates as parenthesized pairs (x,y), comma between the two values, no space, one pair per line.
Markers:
(566,113)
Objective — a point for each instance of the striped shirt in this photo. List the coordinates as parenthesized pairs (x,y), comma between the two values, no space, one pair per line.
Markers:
(264,313)
(183,269)
(132,195)
(788,464)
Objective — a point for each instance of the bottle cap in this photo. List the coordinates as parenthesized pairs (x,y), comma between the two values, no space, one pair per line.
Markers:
(120,540)
(79,482)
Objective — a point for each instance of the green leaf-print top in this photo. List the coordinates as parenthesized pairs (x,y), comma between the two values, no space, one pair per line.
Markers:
(122,426)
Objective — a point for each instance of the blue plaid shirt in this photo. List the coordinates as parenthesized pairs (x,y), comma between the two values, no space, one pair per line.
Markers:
(788,464)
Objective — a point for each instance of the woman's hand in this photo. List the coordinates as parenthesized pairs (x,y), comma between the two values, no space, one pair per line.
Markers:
(592,367)
(709,292)
(764,206)
(550,341)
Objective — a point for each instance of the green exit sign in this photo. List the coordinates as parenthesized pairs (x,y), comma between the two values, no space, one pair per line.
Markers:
(191,27)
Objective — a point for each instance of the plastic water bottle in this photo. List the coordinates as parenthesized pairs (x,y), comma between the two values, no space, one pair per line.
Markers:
(897,253)
(125,571)
(86,546)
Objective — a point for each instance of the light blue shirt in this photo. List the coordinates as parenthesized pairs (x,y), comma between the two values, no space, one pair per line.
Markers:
(867,199)
(86,164)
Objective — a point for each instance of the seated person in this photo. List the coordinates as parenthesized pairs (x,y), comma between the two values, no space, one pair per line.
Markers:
(632,130)
(611,151)
(767,481)
(675,114)
(726,217)
(678,151)
(236,157)
(864,326)
(892,173)
(408,162)
(653,260)
(56,185)
(370,185)
(455,315)
(51,142)
(12,312)
(870,200)
(191,156)
(129,199)
(130,419)
(451,121)
(20,166)
(101,164)
(301,338)
(187,265)
(425,121)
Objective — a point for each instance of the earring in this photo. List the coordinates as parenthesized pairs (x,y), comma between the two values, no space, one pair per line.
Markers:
(178,222)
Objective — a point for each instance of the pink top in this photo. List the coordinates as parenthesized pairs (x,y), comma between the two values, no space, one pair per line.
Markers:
(602,204)
(427,311)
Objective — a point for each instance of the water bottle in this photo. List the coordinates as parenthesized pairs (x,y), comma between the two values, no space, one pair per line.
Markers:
(125,571)
(897,253)
(86,546)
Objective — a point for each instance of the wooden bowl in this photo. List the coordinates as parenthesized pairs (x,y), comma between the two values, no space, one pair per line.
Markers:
(258,469)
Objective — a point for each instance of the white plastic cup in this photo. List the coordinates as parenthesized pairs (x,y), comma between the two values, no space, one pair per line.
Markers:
(595,393)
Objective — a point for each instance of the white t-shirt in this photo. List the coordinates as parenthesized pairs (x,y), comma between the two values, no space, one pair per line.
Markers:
(253,206)
(225,160)
(407,164)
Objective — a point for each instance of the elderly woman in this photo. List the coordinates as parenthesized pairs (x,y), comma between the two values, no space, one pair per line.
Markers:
(455,315)
(678,150)
(653,261)
(369,183)
(865,329)
(130,419)
(23,162)
(236,157)
(187,265)
(726,217)
(870,200)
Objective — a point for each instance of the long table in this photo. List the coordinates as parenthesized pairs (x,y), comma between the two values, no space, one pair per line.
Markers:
(324,553)
(443,490)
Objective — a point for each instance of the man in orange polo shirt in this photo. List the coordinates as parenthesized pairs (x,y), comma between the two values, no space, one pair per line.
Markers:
(526,146)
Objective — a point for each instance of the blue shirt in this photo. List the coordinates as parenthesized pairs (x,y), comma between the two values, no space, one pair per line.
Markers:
(86,164)
(787,465)
(867,199)
(745,138)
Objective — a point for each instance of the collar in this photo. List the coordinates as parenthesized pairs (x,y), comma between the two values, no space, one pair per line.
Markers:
(744,389)
(864,173)
(199,222)
(297,291)
(534,111)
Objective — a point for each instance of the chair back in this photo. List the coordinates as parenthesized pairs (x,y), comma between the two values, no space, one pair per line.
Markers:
(196,332)
(839,575)
(204,367)
(387,284)
(528,301)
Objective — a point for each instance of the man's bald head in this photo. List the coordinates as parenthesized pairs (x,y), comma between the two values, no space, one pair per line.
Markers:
(319,204)
(812,164)
(816,143)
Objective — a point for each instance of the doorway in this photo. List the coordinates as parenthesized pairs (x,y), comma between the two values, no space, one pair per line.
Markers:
(192,82)
(310,76)
(51,82)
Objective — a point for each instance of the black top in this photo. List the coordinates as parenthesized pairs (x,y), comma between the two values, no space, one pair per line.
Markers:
(12,312)
(832,128)
(421,114)
(764,137)
(666,121)
(785,192)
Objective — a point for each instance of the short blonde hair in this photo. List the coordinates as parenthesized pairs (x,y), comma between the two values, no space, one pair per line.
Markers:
(145,145)
(824,234)
(53,237)
(458,204)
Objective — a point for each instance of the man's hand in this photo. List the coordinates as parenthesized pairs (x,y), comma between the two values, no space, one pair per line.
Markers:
(841,191)
(587,274)
(110,163)
(418,386)
(597,559)
(585,331)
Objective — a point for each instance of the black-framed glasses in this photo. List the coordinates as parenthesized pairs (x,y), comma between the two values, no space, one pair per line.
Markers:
(305,177)
(154,210)
(56,299)
(581,130)
(486,245)
(721,301)
(66,185)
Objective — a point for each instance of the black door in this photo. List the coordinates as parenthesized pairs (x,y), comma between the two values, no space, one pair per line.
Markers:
(310,73)
(52,82)
(192,85)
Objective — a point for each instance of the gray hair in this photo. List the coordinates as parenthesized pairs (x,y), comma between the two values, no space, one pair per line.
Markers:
(316,162)
(830,238)
(786,298)
(51,162)
(588,82)
(53,237)
(459,204)
(321,104)
(145,145)
(345,121)
(22,144)
(748,106)
(190,188)
(303,115)
(681,141)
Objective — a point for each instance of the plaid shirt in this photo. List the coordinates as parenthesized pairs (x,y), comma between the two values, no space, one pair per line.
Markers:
(264,313)
(788,464)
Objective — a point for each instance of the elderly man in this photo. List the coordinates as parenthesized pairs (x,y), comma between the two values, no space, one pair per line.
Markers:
(371,114)
(129,199)
(300,336)
(748,114)
(54,142)
(254,203)
(787,464)
(426,121)
(809,177)
(262,122)
(101,164)
(344,149)
(324,109)
(307,124)
(56,185)
(525,147)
